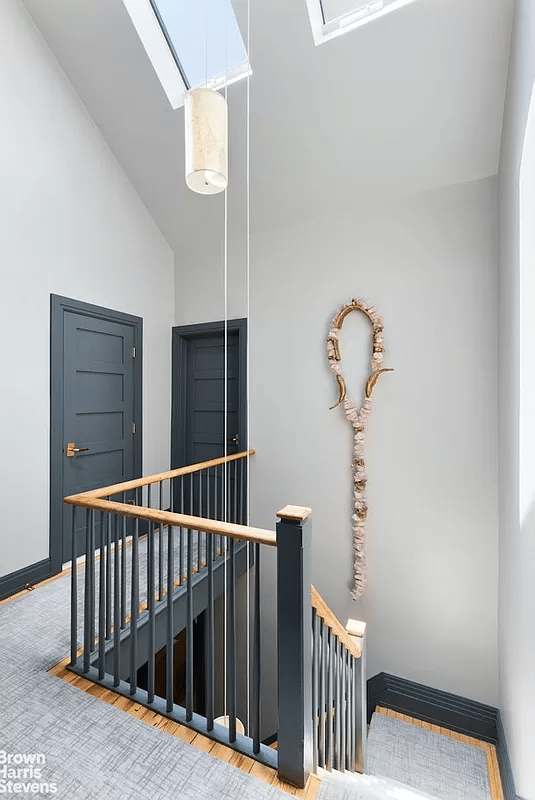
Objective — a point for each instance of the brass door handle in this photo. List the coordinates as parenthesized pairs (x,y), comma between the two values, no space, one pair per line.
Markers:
(71,450)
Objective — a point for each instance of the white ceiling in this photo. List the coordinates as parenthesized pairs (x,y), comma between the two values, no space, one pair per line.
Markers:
(411,102)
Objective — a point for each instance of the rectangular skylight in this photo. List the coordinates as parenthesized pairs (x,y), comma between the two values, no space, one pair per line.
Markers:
(332,9)
(190,43)
(331,18)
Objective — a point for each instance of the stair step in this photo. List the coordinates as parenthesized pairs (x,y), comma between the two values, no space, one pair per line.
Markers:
(435,761)
(345,786)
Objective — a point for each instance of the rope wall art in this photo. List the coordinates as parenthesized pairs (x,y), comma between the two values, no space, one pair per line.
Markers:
(358,417)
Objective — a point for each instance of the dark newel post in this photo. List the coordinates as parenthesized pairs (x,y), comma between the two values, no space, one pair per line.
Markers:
(294,637)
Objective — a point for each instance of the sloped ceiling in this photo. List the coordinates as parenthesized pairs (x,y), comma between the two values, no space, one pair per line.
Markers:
(411,102)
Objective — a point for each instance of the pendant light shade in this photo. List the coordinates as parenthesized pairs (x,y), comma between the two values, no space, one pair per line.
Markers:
(206,141)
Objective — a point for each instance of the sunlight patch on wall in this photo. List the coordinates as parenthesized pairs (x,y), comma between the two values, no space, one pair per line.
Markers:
(527,317)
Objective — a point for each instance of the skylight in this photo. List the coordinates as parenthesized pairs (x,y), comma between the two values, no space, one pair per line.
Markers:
(331,18)
(190,43)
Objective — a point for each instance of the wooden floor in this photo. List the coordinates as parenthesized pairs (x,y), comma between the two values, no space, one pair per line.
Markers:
(490,749)
(199,741)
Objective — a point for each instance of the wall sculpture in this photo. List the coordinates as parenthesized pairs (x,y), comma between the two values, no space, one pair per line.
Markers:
(358,417)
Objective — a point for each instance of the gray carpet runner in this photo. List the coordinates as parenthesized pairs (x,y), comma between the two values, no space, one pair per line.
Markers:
(338,786)
(406,762)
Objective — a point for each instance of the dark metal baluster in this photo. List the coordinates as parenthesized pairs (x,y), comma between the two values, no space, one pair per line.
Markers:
(208,494)
(235,517)
(102,603)
(230,495)
(151,632)
(108,577)
(256,651)
(134,603)
(139,502)
(231,654)
(343,707)
(87,600)
(74,592)
(116,606)
(170,627)
(315,677)
(160,547)
(242,516)
(199,537)
(181,544)
(91,557)
(323,678)
(216,510)
(337,705)
(189,629)
(361,710)
(123,570)
(329,726)
(191,511)
(210,634)
(350,713)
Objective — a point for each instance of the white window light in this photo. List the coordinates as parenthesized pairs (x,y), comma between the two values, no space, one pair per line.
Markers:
(190,44)
(331,18)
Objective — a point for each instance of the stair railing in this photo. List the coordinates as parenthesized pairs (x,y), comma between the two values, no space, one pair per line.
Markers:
(339,690)
(156,569)
(322,688)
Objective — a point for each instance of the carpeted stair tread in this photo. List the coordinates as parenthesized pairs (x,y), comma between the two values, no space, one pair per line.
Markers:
(345,786)
(427,761)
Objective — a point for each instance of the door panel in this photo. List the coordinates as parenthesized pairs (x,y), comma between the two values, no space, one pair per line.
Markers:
(98,409)
(205,397)
(199,405)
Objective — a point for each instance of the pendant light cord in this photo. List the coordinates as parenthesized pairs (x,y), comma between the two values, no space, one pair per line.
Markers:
(247,366)
(225,423)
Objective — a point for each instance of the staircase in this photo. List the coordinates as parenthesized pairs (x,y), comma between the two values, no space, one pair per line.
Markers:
(157,570)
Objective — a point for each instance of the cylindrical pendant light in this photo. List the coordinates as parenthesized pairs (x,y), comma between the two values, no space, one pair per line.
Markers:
(206,141)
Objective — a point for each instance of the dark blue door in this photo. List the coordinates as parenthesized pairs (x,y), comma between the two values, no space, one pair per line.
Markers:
(98,409)
(205,398)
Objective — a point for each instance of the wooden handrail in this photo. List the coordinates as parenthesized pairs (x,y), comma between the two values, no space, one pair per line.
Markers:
(242,532)
(332,622)
(127,486)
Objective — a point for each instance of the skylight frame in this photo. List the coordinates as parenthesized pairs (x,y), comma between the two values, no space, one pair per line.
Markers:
(166,61)
(325,31)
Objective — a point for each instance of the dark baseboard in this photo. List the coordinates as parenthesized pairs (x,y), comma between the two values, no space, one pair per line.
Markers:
(270,740)
(16,581)
(506,773)
(447,710)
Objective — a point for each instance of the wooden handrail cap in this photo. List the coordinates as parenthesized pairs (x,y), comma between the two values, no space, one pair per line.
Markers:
(355,628)
(295,513)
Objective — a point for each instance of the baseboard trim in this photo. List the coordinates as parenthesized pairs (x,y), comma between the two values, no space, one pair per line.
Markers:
(447,710)
(27,576)
(506,772)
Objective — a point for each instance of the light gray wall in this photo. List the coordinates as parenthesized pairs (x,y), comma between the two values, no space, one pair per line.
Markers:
(429,265)
(517,399)
(70,224)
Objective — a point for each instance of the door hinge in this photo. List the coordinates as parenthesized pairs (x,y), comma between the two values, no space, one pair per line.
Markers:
(133,427)
(133,352)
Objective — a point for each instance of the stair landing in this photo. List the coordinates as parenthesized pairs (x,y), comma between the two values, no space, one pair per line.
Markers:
(220,751)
